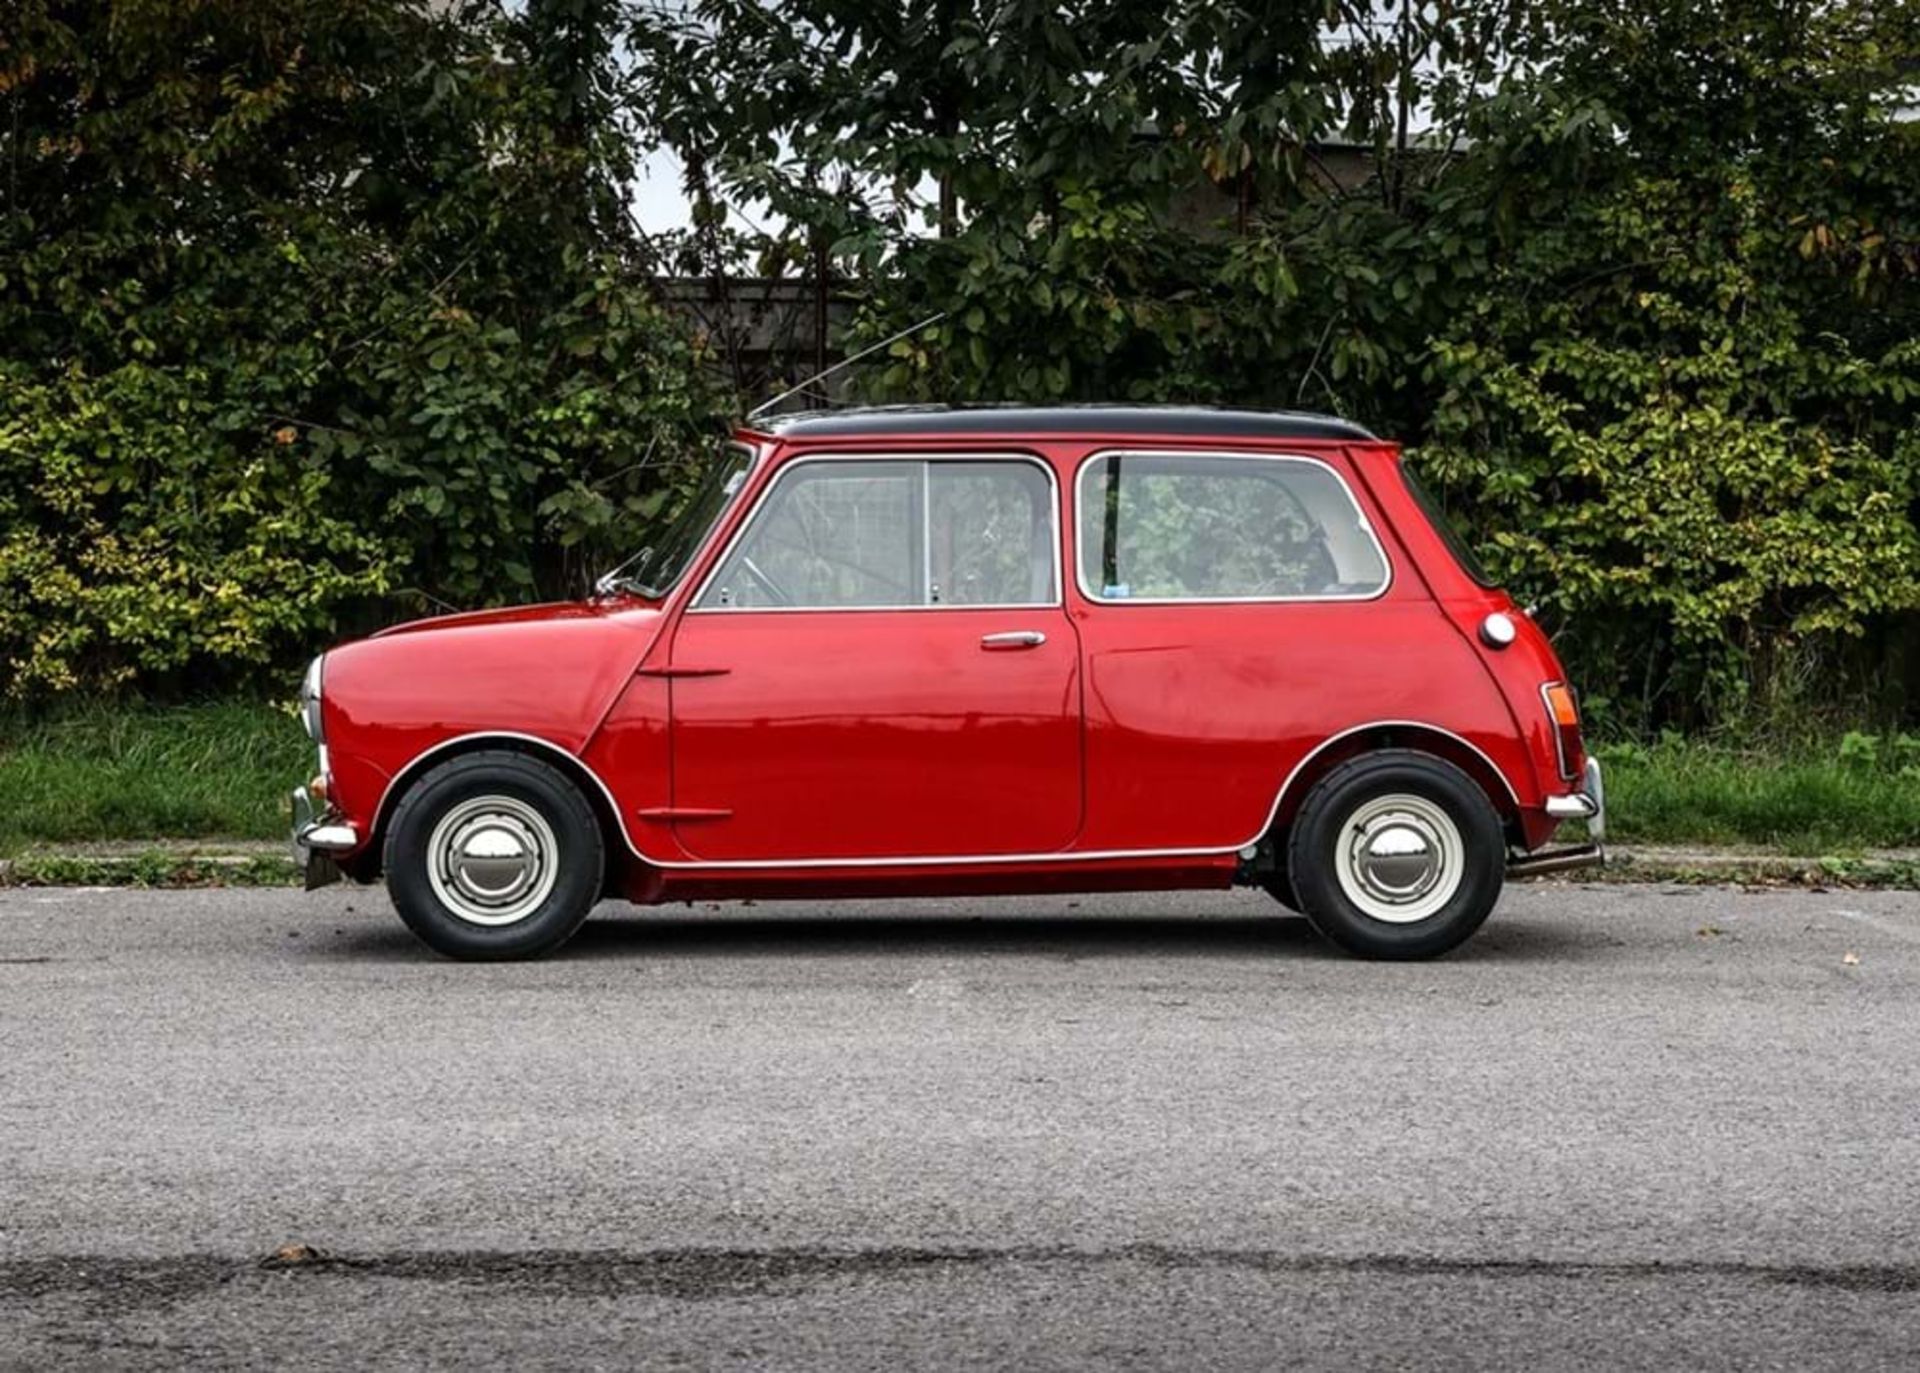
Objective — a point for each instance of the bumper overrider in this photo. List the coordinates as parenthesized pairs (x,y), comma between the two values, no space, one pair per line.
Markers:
(1589,804)
(318,840)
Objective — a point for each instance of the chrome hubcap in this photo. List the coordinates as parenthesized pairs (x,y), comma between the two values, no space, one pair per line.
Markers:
(492,860)
(1400,858)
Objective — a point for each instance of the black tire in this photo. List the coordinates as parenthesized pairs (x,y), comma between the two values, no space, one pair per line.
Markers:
(506,791)
(1343,796)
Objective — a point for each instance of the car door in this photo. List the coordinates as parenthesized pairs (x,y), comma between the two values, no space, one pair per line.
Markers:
(880,667)
(1236,610)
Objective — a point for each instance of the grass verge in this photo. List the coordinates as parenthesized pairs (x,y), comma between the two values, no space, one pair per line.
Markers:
(222,770)
(1850,794)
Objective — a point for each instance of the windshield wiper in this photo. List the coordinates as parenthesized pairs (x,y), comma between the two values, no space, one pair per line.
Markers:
(618,577)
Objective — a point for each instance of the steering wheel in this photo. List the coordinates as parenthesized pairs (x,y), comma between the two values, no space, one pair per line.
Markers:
(767,584)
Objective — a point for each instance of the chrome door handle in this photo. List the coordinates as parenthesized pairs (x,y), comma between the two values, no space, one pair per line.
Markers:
(1014,638)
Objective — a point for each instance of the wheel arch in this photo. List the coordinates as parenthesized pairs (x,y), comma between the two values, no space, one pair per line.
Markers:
(1415,735)
(615,844)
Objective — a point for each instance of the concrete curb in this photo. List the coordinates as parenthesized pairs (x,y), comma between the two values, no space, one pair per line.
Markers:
(1734,856)
(133,865)
(1897,869)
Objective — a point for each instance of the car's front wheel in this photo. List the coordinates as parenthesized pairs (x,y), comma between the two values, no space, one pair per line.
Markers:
(494,855)
(1397,854)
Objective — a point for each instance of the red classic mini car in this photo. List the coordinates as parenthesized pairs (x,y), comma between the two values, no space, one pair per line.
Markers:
(935,651)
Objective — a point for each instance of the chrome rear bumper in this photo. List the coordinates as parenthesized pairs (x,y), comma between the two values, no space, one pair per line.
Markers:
(318,839)
(1589,804)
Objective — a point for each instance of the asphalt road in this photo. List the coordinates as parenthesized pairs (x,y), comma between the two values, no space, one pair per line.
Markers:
(1625,1126)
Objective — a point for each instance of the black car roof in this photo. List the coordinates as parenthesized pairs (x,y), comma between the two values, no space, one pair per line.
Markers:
(1182,420)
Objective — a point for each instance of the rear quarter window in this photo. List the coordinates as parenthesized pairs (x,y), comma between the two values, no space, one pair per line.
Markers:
(1222,527)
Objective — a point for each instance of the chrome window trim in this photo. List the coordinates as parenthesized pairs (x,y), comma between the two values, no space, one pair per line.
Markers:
(1366,526)
(926,535)
(413,766)
(924,460)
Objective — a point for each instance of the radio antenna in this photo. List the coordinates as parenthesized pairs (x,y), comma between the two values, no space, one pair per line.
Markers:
(818,377)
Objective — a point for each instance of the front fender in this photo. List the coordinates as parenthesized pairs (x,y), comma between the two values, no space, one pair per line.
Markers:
(388,700)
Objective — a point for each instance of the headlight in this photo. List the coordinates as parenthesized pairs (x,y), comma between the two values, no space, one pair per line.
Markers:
(310,702)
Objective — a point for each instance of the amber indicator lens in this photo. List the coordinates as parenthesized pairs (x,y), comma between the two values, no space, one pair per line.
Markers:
(1566,725)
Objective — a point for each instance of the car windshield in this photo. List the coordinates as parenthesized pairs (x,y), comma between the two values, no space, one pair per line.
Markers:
(673,536)
(1436,516)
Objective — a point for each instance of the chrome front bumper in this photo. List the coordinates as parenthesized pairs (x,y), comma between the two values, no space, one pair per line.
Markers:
(317,839)
(1589,804)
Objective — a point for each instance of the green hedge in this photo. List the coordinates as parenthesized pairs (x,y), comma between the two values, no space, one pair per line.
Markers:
(312,314)
(315,313)
(1643,293)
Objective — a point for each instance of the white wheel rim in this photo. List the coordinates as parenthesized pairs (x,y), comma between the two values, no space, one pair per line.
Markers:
(1399,858)
(492,860)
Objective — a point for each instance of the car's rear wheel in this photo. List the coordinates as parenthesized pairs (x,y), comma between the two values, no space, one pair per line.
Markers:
(494,855)
(1397,854)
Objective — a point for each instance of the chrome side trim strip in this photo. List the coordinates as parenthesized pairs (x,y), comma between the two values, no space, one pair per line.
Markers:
(913,861)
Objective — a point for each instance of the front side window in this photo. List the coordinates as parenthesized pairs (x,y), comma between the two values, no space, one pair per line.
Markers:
(1222,527)
(990,534)
(876,534)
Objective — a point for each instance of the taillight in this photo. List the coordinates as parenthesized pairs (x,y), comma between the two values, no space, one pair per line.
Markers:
(1565,714)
